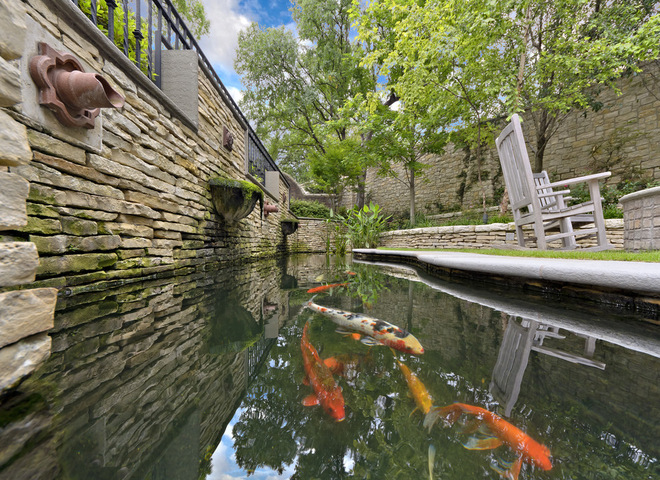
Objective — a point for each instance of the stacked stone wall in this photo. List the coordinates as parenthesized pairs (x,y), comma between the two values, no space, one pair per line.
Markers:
(125,201)
(25,315)
(622,137)
(482,236)
(641,217)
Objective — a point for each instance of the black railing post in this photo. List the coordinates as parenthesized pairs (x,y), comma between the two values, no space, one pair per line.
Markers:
(92,11)
(111,19)
(137,33)
(150,58)
(125,3)
(158,45)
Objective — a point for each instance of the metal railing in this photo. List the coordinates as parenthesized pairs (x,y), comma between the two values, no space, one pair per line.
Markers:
(142,40)
(257,355)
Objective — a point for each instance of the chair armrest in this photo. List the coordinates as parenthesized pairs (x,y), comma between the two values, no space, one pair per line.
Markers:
(585,179)
(551,194)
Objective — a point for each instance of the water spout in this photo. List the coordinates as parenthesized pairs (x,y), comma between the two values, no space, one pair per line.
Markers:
(74,97)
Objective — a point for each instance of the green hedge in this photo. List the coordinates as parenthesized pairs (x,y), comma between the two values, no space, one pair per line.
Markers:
(311,209)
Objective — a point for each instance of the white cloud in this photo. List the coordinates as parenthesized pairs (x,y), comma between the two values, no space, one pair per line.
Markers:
(226,23)
(235,93)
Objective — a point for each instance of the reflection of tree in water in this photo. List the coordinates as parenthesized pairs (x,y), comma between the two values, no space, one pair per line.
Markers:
(233,328)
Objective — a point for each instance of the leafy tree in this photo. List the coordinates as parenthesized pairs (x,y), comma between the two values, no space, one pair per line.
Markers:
(469,61)
(402,137)
(195,16)
(295,87)
(442,58)
(572,49)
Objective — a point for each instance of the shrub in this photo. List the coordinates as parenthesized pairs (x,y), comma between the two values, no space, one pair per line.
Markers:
(365,226)
(310,209)
(611,194)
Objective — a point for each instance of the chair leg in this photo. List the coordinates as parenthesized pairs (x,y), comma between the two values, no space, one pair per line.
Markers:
(539,231)
(521,237)
(566,226)
(599,222)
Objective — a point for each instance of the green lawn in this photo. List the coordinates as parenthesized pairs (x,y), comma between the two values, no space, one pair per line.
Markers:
(652,256)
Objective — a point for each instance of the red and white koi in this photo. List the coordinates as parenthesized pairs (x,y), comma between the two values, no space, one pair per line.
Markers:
(381,331)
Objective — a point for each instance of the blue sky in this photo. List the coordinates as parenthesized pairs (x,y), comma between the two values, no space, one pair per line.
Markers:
(228,18)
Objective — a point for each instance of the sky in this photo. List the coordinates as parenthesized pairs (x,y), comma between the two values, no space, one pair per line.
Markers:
(228,18)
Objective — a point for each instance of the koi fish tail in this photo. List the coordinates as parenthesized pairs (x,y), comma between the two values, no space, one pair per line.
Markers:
(449,414)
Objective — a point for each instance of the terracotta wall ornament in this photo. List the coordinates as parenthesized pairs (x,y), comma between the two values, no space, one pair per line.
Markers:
(74,97)
(227,139)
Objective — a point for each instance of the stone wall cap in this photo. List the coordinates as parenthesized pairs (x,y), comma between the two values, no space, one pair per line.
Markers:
(640,194)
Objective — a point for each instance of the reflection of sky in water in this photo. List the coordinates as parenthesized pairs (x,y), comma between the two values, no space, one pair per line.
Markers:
(223,461)
(224,467)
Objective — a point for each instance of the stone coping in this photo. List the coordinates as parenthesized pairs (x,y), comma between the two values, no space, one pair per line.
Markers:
(637,278)
(640,194)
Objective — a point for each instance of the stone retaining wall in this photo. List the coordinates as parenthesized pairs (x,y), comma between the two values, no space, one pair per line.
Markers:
(25,315)
(125,201)
(641,217)
(480,236)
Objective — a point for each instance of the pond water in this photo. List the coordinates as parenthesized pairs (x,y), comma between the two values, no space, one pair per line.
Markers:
(202,377)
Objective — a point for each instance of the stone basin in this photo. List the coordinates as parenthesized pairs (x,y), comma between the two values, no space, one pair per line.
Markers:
(234,199)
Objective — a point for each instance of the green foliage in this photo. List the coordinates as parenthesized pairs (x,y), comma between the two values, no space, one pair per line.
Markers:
(119,33)
(365,226)
(296,86)
(195,16)
(310,209)
(611,194)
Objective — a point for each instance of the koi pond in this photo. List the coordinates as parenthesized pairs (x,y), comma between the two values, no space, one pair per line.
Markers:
(233,374)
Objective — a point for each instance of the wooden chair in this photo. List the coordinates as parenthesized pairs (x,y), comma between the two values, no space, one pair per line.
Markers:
(537,203)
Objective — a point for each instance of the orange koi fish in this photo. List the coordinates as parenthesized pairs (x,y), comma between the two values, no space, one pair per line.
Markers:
(326,391)
(418,390)
(527,449)
(323,288)
(379,330)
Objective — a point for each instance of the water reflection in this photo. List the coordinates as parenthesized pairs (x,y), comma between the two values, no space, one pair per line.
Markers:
(175,378)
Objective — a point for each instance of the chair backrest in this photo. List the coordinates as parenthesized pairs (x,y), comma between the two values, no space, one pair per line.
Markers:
(516,167)
(547,203)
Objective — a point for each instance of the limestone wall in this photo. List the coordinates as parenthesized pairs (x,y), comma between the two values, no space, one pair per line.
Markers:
(641,217)
(124,201)
(623,137)
(480,236)
(25,315)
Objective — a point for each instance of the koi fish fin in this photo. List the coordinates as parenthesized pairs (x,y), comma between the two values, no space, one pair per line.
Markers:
(343,331)
(487,443)
(414,410)
(305,380)
(309,302)
(431,460)
(431,418)
(473,425)
(310,400)
(511,471)
(369,342)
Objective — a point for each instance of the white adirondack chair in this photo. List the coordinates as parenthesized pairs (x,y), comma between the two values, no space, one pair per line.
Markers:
(536,202)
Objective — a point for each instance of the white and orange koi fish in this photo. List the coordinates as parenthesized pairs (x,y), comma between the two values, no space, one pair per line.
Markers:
(379,330)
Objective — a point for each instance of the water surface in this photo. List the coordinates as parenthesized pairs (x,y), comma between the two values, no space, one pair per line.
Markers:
(202,377)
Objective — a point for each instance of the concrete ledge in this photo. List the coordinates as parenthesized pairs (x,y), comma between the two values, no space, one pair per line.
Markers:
(630,282)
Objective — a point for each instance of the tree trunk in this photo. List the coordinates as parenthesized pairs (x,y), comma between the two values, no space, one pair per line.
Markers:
(412,196)
(361,194)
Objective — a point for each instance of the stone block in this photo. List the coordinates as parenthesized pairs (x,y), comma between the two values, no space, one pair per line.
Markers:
(14,148)
(21,358)
(18,263)
(26,312)
(13,194)
(12,26)
(78,226)
(53,146)
(42,226)
(126,229)
(75,263)
(10,83)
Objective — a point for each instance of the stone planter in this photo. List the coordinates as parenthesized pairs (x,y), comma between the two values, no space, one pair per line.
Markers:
(234,199)
(289,226)
(641,220)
